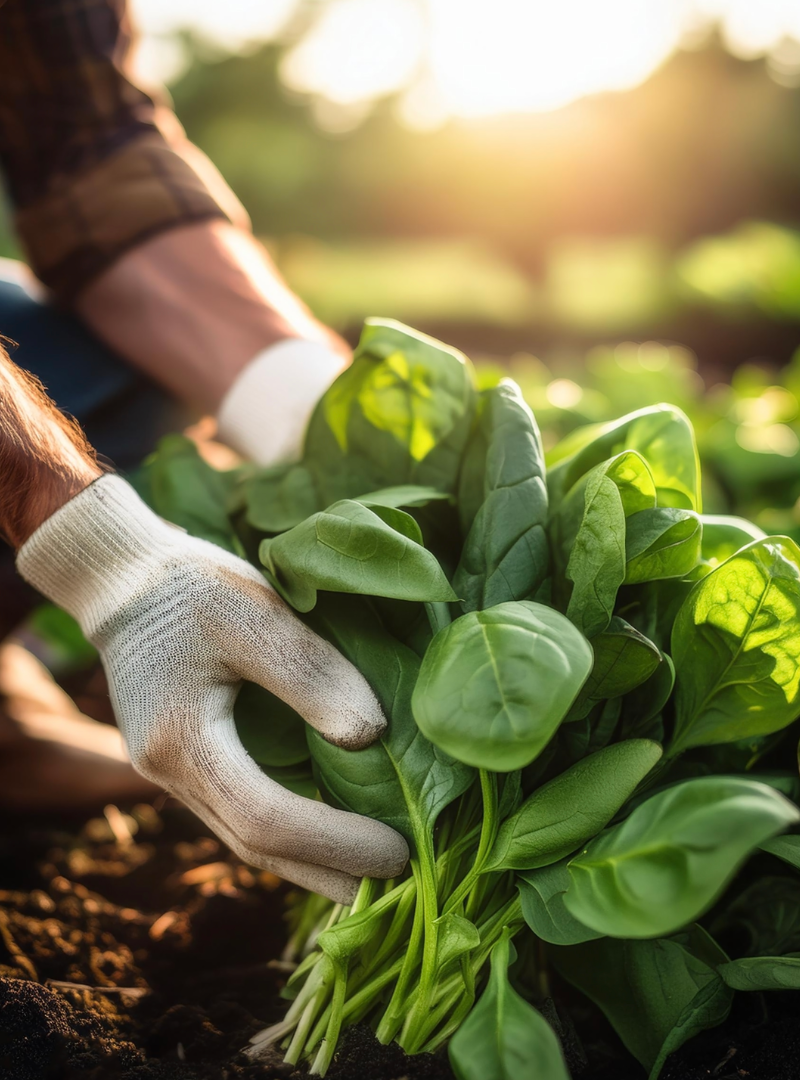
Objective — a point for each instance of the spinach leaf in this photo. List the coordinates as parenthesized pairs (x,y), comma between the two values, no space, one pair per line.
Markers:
(623,660)
(736,647)
(271,731)
(351,549)
(724,536)
(572,808)
(279,498)
(541,895)
(763,919)
(786,848)
(402,780)
(505,1038)
(656,994)
(661,543)
(505,555)
(662,435)
(595,552)
(762,973)
(182,488)
(400,414)
(495,684)
(665,864)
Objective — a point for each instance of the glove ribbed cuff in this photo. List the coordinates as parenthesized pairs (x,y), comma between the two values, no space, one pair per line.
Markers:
(96,552)
(265,413)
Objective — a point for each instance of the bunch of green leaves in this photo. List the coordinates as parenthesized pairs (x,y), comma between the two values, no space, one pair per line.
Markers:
(590,689)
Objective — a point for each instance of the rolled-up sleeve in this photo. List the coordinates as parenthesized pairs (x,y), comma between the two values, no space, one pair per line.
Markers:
(93,164)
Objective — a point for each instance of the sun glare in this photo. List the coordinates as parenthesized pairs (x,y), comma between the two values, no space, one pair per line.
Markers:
(513,56)
(477,58)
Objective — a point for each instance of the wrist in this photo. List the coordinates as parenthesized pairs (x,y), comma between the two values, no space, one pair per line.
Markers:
(97,551)
(266,411)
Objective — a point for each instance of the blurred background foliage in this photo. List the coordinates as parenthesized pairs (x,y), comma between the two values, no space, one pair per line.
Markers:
(630,246)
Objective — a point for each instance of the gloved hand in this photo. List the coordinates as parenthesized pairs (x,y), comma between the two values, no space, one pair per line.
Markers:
(179,623)
(265,413)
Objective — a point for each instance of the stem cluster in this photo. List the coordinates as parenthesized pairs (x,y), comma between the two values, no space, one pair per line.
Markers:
(408,957)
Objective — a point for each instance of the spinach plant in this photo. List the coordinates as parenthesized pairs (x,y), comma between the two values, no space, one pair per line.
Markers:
(590,688)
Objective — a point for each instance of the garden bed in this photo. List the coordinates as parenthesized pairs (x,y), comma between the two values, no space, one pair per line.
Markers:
(195,936)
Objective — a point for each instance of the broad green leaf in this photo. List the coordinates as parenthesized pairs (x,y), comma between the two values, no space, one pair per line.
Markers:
(596,552)
(572,808)
(661,543)
(665,865)
(505,1038)
(495,684)
(736,647)
(662,435)
(762,973)
(623,660)
(724,536)
(505,554)
(656,994)
(400,414)
(271,731)
(541,894)
(184,489)
(351,549)
(279,498)
(402,780)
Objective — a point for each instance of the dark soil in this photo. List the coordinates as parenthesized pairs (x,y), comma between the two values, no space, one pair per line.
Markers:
(168,944)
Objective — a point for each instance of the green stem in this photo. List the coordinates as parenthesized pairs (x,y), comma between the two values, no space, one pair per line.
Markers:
(326,1051)
(438,614)
(427,979)
(392,1018)
(489,823)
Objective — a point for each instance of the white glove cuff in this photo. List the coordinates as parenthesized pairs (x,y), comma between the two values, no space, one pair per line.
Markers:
(97,551)
(266,412)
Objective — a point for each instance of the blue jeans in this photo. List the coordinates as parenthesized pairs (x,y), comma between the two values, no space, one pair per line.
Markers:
(122,412)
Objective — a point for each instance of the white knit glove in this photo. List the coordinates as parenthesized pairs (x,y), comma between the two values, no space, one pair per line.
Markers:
(265,413)
(179,623)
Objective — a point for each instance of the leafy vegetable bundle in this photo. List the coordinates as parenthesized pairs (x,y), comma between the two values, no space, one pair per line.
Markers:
(589,688)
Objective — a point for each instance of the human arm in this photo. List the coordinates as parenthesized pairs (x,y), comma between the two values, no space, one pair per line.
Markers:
(179,624)
(127,222)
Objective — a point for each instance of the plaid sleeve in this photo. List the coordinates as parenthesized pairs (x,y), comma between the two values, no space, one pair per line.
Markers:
(93,164)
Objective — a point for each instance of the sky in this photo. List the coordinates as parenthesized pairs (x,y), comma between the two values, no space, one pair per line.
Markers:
(470,58)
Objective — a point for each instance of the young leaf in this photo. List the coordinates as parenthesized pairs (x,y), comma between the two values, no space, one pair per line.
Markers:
(596,552)
(495,684)
(623,660)
(724,536)
(736,647)
(662,435)
(402,780)
(402,495)
(541,894)
(786,848)
(569,810)
(351,549)
(666,864)
(401,413)
(505,1038)
(455,937)
(656,994)
(505,555)
(661,543)
(762,973)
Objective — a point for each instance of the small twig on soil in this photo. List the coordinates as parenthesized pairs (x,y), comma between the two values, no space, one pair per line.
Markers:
(14,951)
(133,991)
(724,1061)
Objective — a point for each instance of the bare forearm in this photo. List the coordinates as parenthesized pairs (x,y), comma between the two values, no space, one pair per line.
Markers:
(193,306)
(44,458)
